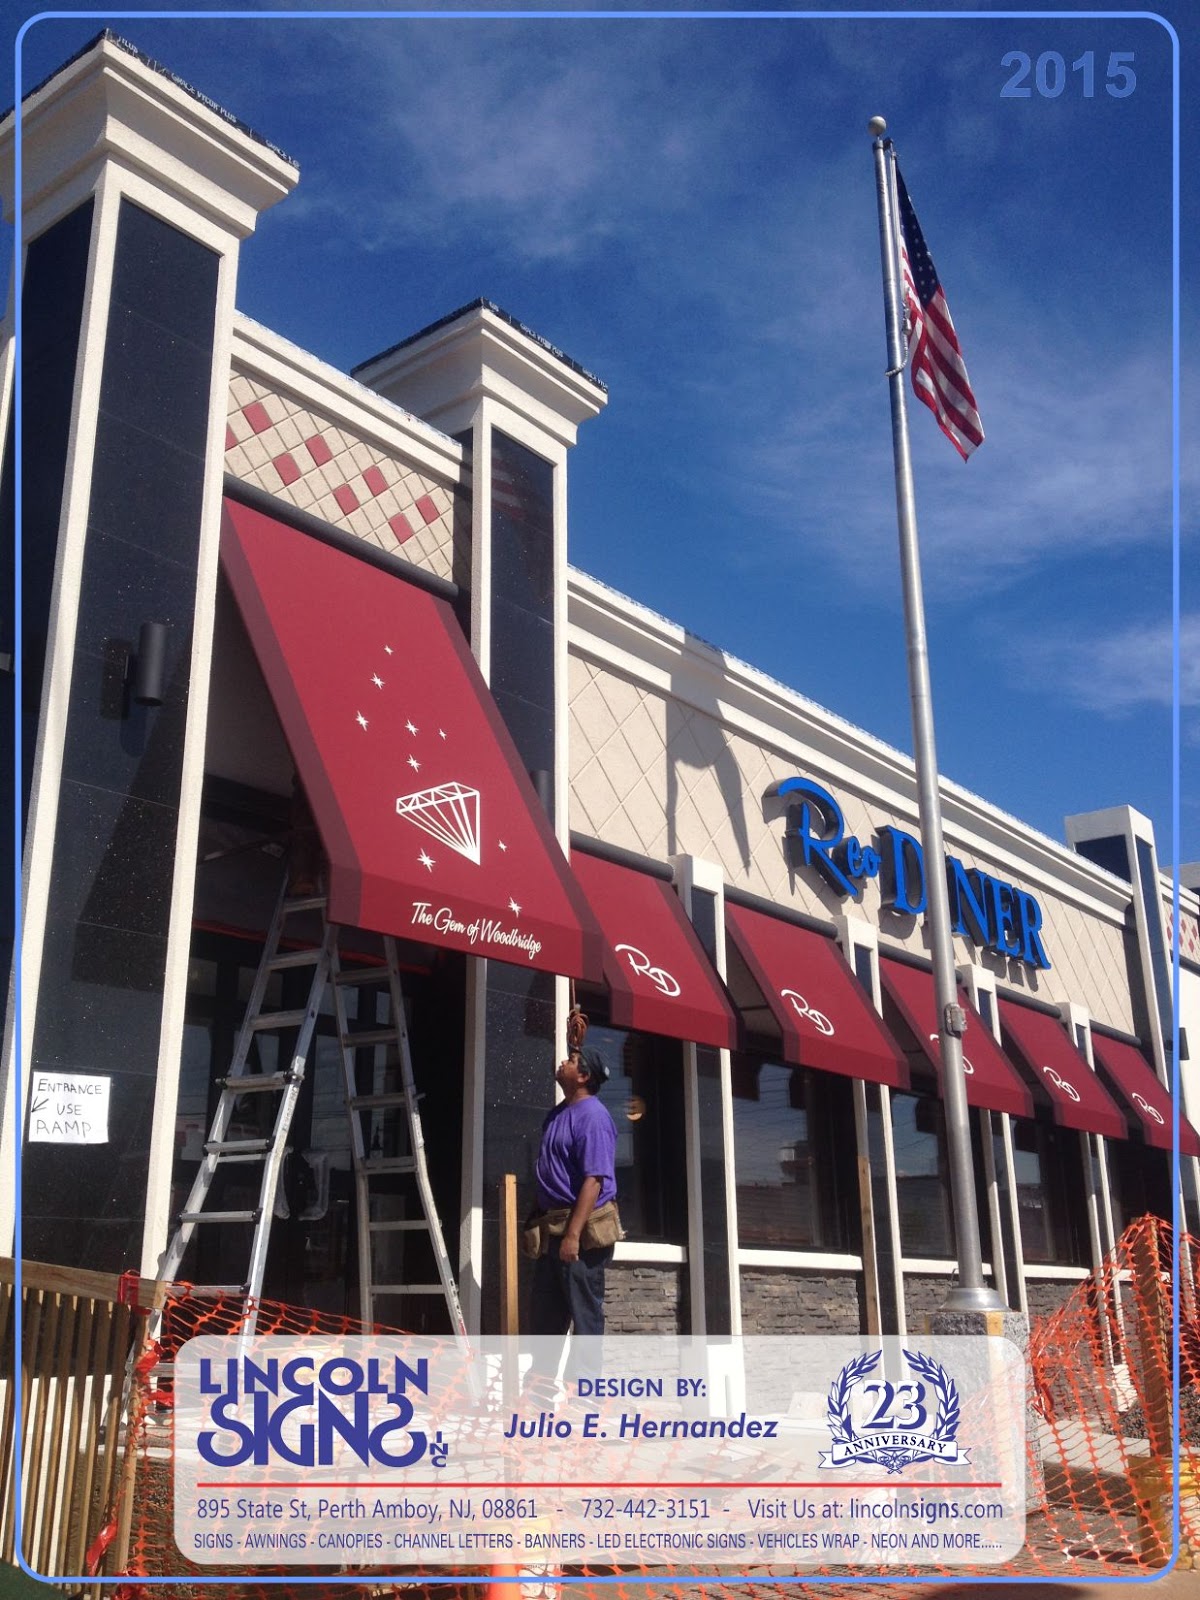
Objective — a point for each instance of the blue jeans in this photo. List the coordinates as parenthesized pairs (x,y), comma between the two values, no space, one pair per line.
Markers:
(568,1295)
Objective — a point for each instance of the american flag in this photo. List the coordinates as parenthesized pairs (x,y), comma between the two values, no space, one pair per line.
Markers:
(935,361)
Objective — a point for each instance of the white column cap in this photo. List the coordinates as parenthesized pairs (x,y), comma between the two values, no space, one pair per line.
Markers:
(110,105)
(481,353)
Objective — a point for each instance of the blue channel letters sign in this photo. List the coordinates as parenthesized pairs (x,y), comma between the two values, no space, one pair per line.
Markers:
(985,910)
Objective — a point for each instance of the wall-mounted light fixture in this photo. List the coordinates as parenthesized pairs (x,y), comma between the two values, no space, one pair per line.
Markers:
(543,782)
(148,667)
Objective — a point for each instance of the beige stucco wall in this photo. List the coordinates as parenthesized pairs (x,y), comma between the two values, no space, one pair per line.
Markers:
(656,773)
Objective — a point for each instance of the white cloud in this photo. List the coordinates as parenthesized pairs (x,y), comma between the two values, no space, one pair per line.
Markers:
(551,138)
(1076,458)
(648,157)
(1120,671)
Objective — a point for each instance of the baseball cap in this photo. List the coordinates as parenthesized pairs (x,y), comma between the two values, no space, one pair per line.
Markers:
(594,1064)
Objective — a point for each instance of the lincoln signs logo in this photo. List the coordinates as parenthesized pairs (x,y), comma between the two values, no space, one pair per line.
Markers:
(641,964)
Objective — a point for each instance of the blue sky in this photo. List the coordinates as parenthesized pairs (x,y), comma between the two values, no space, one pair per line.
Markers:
(687,208)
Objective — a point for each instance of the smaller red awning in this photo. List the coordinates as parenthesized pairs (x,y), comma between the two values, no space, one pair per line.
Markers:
(1076,1094)
(826,1017)
(992,1082)
(660,979)
(1137,1083)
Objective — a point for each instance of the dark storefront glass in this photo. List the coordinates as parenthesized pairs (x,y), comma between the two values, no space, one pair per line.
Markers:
(645,1097)
(785,1121)
(922,1177)
(1049,1174)
(1139,1181)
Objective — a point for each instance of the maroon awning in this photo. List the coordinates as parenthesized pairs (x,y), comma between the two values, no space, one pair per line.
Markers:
(1076,1094)
(432,827)
(992,1081)
(1137,1083)
(826,1017)
(659,977)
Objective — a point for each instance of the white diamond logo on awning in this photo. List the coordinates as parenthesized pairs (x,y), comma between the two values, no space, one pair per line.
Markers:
(449,812)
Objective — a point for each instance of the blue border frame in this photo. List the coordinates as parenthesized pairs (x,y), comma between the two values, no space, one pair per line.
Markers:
(18,832)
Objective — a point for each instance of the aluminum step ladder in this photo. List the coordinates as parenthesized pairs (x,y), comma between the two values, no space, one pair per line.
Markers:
(226,1145)
(395,1203)
(394,1105)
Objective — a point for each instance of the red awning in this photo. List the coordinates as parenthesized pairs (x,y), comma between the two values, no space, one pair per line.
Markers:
(1077,1095)
(827,1018)
(1137,1083)
(432,828)
(992,1081)
(656,969)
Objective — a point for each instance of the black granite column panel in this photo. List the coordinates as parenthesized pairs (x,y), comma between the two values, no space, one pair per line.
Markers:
(712,1154)
(519,1006)
(104,963)
(51,313)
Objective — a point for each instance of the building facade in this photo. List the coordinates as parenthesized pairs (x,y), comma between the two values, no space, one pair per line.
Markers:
(282,621)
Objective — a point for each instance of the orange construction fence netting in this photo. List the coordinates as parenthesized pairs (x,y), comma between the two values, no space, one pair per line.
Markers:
(1100,1438)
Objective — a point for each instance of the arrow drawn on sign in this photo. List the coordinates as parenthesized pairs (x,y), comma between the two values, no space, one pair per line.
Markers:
(38,1104)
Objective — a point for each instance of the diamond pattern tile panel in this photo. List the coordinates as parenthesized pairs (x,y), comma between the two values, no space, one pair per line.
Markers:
(1189,933)
(271,441)
(661,778)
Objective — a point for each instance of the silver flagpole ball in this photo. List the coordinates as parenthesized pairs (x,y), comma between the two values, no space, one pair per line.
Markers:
(876,126)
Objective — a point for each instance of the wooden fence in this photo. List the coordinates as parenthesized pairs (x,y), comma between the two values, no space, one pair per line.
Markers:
(77,1332)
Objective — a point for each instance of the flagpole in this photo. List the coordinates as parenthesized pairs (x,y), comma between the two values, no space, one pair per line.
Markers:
(971,1293)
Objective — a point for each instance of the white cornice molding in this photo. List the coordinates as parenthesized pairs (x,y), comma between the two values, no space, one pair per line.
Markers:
(617,632)
(351,406)
(444,374)
(109,106)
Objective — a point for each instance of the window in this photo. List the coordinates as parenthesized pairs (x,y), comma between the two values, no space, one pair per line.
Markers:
(645,1097)
(922,1176)
(1049,1171)
(1139,1181)
(787,1123)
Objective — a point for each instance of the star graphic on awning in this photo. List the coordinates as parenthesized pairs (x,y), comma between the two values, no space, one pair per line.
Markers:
(514,907)
(410,727)
(441,733)
(361,720)
(377,680)
(502,844)
(414,763)
(426,861)
(387,650)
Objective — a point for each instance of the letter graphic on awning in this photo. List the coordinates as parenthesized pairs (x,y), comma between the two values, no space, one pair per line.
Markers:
(432,828)
(1076,1094)
(658,974)
(1137,1084)
(992,1082)
(826,1017)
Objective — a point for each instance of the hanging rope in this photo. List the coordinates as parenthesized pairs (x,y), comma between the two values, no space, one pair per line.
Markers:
(577,1025)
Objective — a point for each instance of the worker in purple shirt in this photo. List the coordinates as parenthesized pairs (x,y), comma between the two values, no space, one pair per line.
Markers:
(576,1191)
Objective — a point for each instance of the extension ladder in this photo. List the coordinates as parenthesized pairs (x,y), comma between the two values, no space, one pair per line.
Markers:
(392,1190)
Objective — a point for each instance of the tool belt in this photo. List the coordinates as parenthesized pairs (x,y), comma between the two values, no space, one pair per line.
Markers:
(602,1228)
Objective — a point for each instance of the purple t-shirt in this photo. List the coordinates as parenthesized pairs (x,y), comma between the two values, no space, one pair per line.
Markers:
(579,1141)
